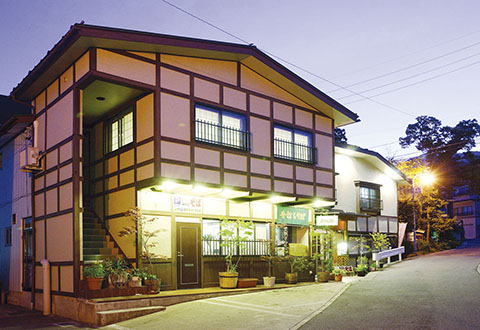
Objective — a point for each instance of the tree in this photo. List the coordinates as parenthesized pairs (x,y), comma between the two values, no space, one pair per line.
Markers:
(340,135)
(440,142)
(429,203)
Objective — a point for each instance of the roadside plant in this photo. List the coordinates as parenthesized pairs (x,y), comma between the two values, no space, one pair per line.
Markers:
(138,227)
(323,252)
(234,234)
(300,264)
(339,271)
(362,244)
(271,258)
(380,241)
(95,270)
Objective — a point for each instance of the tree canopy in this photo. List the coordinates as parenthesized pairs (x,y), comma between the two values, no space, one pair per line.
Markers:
(340,135)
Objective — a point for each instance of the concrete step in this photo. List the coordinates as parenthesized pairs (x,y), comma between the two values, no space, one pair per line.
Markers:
(118,315)
(88,232)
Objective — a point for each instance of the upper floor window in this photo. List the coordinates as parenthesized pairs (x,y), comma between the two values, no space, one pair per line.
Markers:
(369,200)
(120,132)
(466,210)
(8,236)
(221,127)
(293,144)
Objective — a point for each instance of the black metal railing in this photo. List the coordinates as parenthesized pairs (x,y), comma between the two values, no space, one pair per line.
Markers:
(372,204)
(293,151)
(221,135)
(213,247)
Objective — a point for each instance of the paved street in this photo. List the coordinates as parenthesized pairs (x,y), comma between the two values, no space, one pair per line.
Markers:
(275,309)
(439,291)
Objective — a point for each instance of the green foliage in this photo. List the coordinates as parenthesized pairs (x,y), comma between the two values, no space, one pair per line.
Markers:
(138,225)
(361,267)
(116,266)
(362,261)
(362,244)
(234,234)
(338,271)
(95,270)
(380,241)
(300,264)
(323,253)
(340,135)
(271,258)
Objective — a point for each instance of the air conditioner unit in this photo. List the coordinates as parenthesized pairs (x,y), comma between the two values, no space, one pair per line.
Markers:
(29,160)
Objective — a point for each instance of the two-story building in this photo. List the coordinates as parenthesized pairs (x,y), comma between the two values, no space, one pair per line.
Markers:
(366,196)
(465,206)
(15,199)
(191,131)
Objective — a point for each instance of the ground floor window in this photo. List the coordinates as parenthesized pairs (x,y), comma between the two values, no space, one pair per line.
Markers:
(256,244)
(27,254)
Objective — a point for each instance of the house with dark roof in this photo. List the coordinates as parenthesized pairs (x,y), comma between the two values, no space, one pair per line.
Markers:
(191,131)
(15,210)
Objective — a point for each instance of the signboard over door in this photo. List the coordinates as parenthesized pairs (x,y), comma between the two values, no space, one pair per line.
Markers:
(187,204)
(292,215)
(326,220)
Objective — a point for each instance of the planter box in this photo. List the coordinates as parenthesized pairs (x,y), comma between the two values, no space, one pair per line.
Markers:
(247,282)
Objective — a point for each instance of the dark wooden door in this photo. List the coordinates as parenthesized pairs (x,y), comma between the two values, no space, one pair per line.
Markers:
(188,255)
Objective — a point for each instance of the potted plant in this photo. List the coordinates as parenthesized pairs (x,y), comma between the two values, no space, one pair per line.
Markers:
(116,269)
(380,241)
(234,234)
(339,273)
(271,259)
(138,226)
(323,255)
(136,278)
(94,274)
(361,270)
(373,267)
(152,282)
(297,264)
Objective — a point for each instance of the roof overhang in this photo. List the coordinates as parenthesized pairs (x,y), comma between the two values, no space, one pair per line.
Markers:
(14,126)
(373,158)
(82,37)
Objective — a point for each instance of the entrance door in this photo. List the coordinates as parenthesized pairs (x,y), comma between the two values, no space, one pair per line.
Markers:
(188,255)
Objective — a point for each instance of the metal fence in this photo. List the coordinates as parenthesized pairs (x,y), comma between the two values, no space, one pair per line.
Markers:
(222,135)
(213,247)
(370,203)
(294,151)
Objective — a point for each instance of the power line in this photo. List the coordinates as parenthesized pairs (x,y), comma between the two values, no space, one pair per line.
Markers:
(412,76)
(288,62)
(408,67)
(419,82)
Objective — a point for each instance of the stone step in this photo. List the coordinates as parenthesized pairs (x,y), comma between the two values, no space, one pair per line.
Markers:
(118,315)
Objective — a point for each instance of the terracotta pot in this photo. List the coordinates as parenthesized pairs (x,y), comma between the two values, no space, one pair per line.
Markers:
(338,278)
(291,278)
(228,280)
(269,281)
(94,283)
(323,277)
(153,285)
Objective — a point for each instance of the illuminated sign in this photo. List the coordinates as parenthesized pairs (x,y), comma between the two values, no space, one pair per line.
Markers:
(187,204)
(292,215)
(326,220)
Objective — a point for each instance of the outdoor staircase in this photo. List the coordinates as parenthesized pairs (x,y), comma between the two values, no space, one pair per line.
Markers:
(97,243)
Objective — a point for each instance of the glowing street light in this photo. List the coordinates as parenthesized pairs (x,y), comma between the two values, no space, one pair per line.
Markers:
(426,179)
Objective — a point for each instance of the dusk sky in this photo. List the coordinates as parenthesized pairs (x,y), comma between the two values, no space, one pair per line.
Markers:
(433,47)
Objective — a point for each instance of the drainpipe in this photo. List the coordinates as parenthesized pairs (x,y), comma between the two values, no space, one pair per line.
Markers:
(46,286)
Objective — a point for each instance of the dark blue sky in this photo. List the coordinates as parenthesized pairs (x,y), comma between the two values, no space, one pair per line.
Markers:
(345,42)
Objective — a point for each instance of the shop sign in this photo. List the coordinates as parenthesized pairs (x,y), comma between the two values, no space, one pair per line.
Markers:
(292,215)
(187,204)
(326,220)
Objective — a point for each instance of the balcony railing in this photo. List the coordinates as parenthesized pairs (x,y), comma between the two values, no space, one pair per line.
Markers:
(371,204)
(293,151)
(213,247)
(225,136)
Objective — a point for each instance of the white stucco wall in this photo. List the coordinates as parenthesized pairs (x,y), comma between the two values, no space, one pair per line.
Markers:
(351,169)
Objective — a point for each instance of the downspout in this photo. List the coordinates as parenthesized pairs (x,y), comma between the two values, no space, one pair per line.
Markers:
(46,286)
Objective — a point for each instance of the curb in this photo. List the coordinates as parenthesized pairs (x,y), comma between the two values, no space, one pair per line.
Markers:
(328,303)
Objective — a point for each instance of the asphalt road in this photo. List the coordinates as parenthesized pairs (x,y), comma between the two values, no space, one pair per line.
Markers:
(437,291)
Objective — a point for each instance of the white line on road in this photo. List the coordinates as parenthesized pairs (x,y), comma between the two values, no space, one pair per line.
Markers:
(315,313)
(116,327)
(247,304)
(247,308)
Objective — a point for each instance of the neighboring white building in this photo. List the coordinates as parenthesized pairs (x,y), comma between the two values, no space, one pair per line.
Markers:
(366,185)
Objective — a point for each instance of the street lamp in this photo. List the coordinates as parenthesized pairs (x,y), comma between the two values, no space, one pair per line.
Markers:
(426,179)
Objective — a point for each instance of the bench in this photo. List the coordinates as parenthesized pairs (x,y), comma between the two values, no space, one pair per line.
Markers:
(377,256)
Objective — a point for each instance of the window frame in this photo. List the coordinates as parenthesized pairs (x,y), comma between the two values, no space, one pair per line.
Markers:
(120,120)
(221,128)
(292,154)
(8,236)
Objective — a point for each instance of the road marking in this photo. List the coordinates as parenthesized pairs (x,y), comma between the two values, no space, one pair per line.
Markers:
(117,327)
(247,304)
(247,308)
(315,313)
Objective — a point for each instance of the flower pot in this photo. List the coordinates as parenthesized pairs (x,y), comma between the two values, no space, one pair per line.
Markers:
(269,281)
(153,285)
(361,273)
(291,278)
(94,283)
(135,282)
(323,277)
(247,282)
(338,278)
(228,280)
